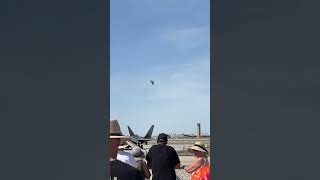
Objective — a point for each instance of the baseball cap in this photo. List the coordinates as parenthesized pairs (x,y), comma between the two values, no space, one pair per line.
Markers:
(162,137)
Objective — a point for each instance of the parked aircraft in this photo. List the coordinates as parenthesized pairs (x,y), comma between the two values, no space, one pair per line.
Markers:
(144,139)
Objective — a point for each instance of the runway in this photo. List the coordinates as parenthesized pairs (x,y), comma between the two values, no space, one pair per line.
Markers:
(181,145)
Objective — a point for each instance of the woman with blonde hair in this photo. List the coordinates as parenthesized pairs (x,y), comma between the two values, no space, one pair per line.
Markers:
(200,168)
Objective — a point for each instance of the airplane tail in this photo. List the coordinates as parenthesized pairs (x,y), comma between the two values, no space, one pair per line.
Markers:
(149,133)
(130,132)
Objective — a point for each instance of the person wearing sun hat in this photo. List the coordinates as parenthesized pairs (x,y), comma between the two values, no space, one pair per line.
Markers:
(119,170)
(200,168)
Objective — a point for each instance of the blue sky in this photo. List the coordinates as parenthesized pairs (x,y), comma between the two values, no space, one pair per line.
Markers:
(167,41)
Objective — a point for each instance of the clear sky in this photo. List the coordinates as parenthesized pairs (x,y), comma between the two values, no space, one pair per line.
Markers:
(167,41)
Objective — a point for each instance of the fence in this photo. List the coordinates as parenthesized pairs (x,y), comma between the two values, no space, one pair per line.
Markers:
(181,174)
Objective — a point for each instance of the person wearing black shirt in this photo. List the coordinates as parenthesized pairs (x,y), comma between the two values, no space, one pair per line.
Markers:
(118,169)
(123,171)
(163,160)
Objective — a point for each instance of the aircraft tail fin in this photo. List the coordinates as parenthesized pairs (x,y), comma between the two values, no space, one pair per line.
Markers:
(130,132)
(149,133)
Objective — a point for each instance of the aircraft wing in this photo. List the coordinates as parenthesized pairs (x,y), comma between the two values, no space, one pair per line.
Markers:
(143,139)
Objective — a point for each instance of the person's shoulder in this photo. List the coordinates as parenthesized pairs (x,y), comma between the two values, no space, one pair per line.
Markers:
(123,166)
(121,153)
(122,156)
(170,148)
(126,153)
(153,147)
(124,171)
(200,159)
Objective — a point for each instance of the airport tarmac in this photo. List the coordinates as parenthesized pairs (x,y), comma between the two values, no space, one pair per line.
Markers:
(181,145)
(187,142)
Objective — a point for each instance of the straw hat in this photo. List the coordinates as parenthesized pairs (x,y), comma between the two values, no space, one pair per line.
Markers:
(198,146)
(137,153)
(115,131)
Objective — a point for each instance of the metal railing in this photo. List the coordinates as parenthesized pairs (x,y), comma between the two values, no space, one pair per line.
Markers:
(182,174)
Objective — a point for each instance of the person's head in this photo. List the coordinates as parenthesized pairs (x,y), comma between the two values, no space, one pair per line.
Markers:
(137,153)
(116,137)
(199,153)
(198,149)
(162,138)
(113,148)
